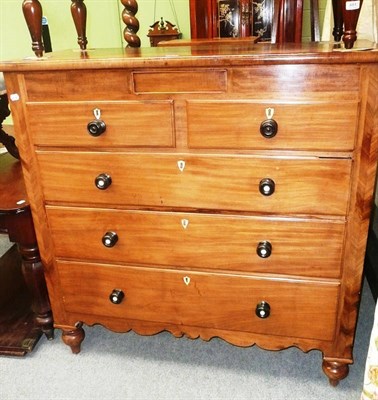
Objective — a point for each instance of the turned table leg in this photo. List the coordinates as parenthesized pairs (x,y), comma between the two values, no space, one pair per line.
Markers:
(74,337)
(32,10)
(337,32)
(32,270)
(79,15)
(351,12)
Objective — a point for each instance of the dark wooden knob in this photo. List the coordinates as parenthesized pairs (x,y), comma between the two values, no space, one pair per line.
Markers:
(96,127)
(262,309)
(269,128)
(109,239)
(103,181)
(267,186)
(264,249)
(116,296)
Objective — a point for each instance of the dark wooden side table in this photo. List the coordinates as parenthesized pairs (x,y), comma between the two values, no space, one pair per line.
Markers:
(25,311)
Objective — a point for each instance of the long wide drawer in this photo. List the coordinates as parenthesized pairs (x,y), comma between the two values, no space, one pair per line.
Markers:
(127,123)
(220,301)
(244,183)
(254,244)
(256,125)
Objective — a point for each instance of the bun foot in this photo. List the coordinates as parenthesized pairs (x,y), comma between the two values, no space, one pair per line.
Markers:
(74,337)
(335,370)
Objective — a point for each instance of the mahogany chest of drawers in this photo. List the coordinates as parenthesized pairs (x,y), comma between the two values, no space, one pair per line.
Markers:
(208,191)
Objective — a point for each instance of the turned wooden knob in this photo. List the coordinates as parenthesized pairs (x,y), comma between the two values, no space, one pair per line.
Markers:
(264,249)
(263,310)
(103,181)
(96,127)
(269,128)
(116,296)
(109,239)
(267,186)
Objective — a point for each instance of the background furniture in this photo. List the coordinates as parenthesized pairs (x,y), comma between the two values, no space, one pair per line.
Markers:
(262,245)
(162,31)
(24,305)
(278,21)
(287,19)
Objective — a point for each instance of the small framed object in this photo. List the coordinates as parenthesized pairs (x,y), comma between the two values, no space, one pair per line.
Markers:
(228,18)
(262,17)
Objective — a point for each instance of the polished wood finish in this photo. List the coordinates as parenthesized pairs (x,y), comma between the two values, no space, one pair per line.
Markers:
(345,14)
(154,180)
(16,221)
(32,10)
(79,16)
(131,21)
(338,26)
(179,229)
(140,241)
(350,18)
(162,31)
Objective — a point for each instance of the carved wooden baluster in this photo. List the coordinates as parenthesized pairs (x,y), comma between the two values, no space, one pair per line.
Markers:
(32,10)
(351,12)
(337,32)
(79,15)
(131,22)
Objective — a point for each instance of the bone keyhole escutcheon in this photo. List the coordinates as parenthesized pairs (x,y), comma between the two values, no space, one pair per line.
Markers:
(181,165)
(186,280)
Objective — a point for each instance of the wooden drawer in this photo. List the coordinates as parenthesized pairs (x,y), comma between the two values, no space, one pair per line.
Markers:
(236,125)
(228,302)
(184,81)
(128,123)
(69,85)
(302,185)
(298,247)
(295,80)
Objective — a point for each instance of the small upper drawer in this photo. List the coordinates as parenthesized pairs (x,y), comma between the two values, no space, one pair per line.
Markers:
(290,185)
(78,85)
(237,243)
(127,123)
(219,301)
(193,81)
(286,126)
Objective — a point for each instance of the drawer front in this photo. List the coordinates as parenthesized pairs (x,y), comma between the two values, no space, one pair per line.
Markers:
(71,85)
(236,125)
(128,123)
(296,247)
(301,186)
(227,302)
(287,81)
(190,81)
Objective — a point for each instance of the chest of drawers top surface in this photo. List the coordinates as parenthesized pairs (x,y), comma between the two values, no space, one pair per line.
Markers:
(213,55)
(228,186)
